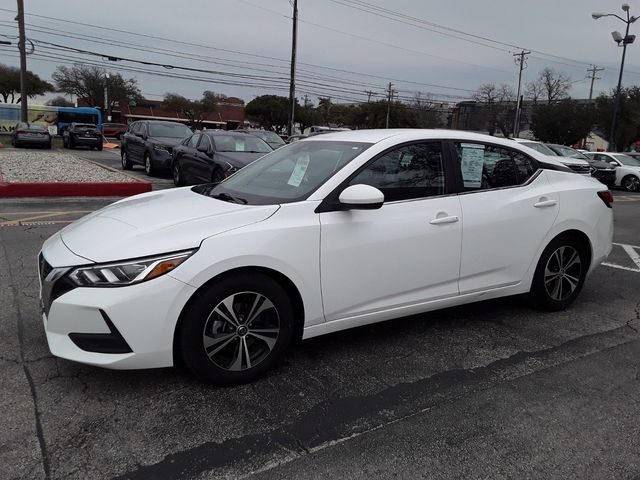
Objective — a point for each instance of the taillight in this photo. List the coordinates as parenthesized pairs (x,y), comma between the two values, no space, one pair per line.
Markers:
(606,197)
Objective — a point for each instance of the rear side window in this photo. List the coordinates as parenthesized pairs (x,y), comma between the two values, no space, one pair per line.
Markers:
(134,128)
(193,143)
(486,166)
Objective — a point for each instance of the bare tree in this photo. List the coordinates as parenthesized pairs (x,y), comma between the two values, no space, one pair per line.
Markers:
(429,111)
(486,93)
(534,90)
(555,85)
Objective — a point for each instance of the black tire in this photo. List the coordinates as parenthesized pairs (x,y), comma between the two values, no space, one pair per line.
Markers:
(199,323)
(125,161)
(48,147)
(631,183)
(148,165)
(560,273)
(99,148)
(70,143)
(176,172)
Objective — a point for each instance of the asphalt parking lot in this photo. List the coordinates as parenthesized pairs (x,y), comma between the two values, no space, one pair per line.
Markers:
(492,390)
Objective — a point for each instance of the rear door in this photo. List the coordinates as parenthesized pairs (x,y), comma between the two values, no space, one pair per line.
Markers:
(188,160)
(508,207)
(203,161)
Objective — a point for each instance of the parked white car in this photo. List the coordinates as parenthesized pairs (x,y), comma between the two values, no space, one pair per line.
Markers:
(575,164)
(336,231)
(627,169)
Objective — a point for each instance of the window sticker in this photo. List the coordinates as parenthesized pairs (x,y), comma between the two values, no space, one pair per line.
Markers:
(471,164)
(299,171)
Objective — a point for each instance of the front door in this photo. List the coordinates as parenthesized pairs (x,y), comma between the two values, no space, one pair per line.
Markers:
(402,254)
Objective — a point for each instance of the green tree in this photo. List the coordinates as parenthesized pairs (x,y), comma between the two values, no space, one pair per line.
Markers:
(196,111)
(88,83)
(565,122)
(374,115)
(59,101)
(270,111)
(10,84)
(628,120)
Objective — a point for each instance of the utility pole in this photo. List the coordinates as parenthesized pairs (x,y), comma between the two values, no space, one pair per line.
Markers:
(593,70)
(369,93)
(520,59)
(292,84)
(23,63)
(389,98)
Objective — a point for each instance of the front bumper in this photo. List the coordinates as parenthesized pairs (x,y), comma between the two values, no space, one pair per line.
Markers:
(94,325)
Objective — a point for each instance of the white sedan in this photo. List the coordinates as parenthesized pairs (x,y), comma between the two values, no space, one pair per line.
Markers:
(332,232)
(627,169)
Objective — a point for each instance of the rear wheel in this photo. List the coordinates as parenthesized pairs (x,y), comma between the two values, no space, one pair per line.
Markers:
(70,143)
(631,183)
(236,329)
(99,148)
(560,273)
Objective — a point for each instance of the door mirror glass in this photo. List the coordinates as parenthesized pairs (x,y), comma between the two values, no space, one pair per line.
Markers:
(614,163)
(203,148)
(361,197)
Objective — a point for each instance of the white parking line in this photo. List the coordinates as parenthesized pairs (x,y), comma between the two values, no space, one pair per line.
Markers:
(634,254)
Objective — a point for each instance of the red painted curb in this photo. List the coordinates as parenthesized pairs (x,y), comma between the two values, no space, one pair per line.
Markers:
(79,189)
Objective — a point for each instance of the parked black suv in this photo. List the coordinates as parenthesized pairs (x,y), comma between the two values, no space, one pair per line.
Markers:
(82,134)
(150,143)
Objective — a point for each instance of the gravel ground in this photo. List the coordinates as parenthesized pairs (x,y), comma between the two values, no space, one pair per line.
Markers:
(53,167)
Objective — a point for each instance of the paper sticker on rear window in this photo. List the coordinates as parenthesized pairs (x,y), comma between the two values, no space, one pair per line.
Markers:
(299,171)
(472,164)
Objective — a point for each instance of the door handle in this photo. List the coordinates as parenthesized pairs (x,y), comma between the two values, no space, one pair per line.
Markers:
(545,203)
(443,220)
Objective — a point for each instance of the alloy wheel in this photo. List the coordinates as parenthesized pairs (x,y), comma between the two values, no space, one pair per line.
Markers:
(632,184)
(124,159)
(562,273)
(176,173)
(241,331)
(147,164)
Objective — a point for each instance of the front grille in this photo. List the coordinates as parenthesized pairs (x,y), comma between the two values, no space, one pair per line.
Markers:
(53,283)
(169,149)
(583,169)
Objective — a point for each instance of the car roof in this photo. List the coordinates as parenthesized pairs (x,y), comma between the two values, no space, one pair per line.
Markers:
(161,122)
(226,132)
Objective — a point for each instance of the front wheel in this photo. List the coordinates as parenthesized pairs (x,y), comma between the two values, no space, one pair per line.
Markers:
(148,165)
(236,329)
(560,273)
(631,183)
(178,180)
(124,158)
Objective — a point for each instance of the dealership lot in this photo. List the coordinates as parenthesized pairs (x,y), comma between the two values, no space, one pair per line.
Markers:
(491,390)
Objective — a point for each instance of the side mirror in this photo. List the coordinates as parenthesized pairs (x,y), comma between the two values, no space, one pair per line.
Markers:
(361,197)
(615,164)
(203,148)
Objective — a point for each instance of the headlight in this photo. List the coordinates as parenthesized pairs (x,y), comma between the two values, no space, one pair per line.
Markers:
(127,273)
(160,148)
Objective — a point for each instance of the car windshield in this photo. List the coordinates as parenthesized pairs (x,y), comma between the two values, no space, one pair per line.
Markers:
(627,160)
(169,130)
(289,174)
(267,136)
(539,147)
(35,126)
(569,152)
(240,143)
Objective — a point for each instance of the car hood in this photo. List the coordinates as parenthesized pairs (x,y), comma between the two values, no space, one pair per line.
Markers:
(155,223)
(239,159)
(167,141)
(571,160)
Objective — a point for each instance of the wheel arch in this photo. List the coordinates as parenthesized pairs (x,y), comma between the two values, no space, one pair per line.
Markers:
(285,282)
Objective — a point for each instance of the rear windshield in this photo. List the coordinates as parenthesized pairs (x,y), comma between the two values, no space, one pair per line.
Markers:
(539,147)
(169,130)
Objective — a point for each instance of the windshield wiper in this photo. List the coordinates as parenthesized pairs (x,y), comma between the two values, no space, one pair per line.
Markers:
(225,197)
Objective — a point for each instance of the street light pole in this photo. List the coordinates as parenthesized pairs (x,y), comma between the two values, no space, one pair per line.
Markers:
(619,39)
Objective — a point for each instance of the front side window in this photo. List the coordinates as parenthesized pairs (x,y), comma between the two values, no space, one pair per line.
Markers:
(286,175)
(627,160)
(486,166)
(407,172)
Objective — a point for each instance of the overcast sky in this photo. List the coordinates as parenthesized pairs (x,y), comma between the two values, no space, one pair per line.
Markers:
(361,51)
